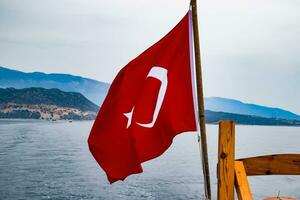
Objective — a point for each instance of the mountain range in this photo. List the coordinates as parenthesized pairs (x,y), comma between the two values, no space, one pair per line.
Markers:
(54,104)
(92,89)
(219,104)
(215,117)
(95,91)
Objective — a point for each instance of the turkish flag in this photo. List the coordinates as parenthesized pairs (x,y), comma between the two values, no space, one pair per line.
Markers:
(149,102)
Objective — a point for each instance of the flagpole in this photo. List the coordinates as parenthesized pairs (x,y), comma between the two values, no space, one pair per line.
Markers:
(200,101)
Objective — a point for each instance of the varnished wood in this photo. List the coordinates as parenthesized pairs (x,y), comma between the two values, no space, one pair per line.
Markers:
(281,198)
(226,161)
(200,100)
(280,164)
(232,172)
(241,182)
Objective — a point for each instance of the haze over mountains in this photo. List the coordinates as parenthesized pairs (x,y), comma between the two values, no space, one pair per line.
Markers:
(220,104)
(95,91)
(92,89)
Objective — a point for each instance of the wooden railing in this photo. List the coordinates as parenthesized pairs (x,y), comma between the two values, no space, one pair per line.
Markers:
(233,173)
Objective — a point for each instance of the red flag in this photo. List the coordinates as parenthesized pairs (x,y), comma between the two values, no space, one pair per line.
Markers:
(150,101)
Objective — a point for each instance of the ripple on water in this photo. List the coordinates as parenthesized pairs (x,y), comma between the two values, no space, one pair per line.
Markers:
(51,160)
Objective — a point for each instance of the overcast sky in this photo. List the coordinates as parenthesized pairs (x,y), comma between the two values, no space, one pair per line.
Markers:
(250,48)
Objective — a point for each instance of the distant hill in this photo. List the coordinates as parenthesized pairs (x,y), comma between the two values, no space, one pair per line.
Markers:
(92,89)
(46,96)
(219,104)
(215,117)
(41,103)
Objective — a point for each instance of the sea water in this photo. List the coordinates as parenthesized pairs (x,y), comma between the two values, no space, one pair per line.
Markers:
(51,160)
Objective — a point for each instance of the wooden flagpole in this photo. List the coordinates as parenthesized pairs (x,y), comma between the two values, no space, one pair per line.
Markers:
(200,101)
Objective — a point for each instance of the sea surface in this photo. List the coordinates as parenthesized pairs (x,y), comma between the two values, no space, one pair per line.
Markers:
(51,160)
